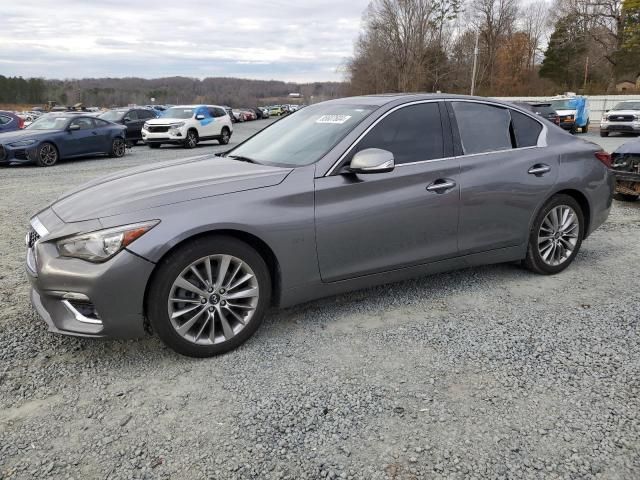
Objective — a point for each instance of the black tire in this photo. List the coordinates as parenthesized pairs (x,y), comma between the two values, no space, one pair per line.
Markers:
(170,268)
(118,148)
(585,129)
(604,134)
(573,130)
(47,155)
(192,139)
(154,145)
(534,261)
(226,136)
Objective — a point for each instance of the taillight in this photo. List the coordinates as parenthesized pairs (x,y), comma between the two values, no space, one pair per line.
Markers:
(604,157)
(20,122)
(556,120)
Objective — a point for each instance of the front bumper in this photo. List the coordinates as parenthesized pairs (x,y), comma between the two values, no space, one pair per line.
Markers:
(63,289)
(621,127)
(17,155)
(176,136)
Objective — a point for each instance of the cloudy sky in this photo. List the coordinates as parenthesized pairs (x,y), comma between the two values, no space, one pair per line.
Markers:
(303,40)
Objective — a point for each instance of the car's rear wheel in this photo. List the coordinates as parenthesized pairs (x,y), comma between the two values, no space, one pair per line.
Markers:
(225,136)
(556,236)
(192,139)
(585,129)
(604,134)
(47,155)
(209,296)
(118,148)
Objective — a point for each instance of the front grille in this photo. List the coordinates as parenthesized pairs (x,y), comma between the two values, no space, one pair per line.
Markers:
(32,238)
(620,118)
(21,154)
(158,129)
(2,153)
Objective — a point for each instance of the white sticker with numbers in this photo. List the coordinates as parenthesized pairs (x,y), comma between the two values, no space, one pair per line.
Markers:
(336,119)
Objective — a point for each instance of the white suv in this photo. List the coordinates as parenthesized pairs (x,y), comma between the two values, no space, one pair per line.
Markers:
(623,118)
(187,125)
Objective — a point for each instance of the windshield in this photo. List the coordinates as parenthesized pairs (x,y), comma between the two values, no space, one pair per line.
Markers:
(303,137)
(627,106)
(563,104)
(49,122)
(112,115)
(176,112)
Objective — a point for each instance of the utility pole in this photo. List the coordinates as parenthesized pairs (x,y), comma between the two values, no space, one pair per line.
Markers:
(475,63)
(586,74)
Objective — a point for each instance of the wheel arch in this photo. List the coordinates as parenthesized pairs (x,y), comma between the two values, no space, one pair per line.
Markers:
(579,197)
(263,249)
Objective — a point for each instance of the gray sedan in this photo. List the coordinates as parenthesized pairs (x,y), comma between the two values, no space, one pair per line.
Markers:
(338,196)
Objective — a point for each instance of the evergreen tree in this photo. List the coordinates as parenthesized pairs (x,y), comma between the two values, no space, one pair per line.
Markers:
(565,56)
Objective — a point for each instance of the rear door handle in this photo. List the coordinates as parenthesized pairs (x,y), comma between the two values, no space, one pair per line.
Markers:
(441,185)
(539,169)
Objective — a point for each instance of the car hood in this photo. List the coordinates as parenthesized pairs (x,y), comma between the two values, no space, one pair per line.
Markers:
(17,135)
(622,112)
(629,147)
(166,120)
(164,184)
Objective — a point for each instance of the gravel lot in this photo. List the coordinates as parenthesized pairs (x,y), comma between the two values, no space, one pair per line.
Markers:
(490,372)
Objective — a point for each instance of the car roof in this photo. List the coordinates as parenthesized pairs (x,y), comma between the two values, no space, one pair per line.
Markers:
(387,98)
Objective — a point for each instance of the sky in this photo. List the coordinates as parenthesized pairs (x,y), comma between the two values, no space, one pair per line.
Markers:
(299,41)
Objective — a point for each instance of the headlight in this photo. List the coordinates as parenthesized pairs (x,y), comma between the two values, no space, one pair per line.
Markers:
(103,244)
(177,125)
(23,143)
(146,125)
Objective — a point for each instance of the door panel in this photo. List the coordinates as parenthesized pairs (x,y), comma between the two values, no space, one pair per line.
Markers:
(79,142)
(498,197)
(379,222)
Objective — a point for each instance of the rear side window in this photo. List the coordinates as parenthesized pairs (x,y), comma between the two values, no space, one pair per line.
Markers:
(4,119)
(525,129)
(412,134)
(219,112)
(482,128)
(132,115)
(145,114)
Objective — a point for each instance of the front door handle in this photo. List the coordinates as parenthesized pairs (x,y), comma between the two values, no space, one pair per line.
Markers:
(539,169)
(441,185)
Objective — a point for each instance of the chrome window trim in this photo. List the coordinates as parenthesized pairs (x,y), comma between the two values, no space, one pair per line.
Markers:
(542,137)
(78,316)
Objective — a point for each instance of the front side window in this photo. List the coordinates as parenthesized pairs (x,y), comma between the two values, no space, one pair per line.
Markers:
(132,115)
(305,136)
(100,123)
(84,123)
(4,119)
(412,134)
(482,128)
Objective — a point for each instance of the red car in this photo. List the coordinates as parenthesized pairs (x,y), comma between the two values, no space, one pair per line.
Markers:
(10,122)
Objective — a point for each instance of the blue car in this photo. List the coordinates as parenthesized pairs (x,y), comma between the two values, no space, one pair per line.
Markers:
(62,135)
(10,122)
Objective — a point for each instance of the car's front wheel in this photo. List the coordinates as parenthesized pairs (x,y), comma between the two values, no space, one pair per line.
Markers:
(192,139)
(118,148)
(556,235)
(209,296)
(47,155)
(225,136)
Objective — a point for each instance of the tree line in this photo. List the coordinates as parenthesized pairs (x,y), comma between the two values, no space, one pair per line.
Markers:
(523,47)
(107,92)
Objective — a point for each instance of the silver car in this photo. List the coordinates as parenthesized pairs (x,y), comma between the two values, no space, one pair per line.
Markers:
(338,196)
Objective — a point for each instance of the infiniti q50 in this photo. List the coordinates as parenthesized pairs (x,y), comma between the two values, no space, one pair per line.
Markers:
(338,196)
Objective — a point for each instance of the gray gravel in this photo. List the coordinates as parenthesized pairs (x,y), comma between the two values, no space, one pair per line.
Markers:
(490,372)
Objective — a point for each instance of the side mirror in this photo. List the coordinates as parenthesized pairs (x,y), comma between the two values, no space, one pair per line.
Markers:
(126,119)
(199,117)
(372,160)
(74,127)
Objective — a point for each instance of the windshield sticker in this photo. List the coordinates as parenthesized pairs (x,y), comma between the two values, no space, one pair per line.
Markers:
(336,119)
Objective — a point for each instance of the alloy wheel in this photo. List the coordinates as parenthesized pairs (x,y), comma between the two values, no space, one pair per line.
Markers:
(119,147)
(213,299)
(558,235)
(48,155)
(225,136)
(192,140)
